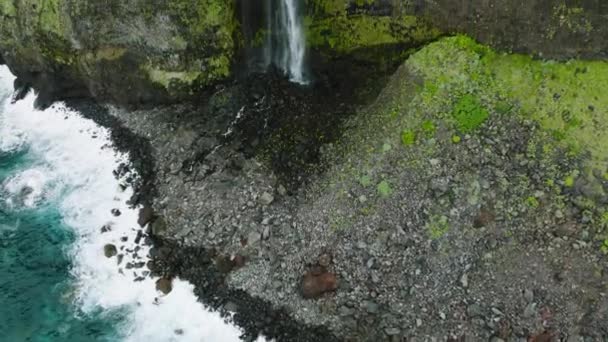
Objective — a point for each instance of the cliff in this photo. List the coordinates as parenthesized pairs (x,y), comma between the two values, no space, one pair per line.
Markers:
(127,52)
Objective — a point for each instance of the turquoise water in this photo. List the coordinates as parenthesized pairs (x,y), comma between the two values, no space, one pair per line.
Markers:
(57,190)
(36,301)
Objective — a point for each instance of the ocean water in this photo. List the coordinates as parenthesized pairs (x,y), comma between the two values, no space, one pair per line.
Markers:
(57,190)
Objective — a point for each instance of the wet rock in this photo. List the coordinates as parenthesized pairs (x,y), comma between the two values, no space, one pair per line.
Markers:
(266,198)
(115,212)
(316,284)
(109,250)
(106,228)
(159,226)
(138,237)
(164,285)
(146,214)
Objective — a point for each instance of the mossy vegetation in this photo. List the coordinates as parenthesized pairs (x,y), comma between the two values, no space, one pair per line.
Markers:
(437,226)
(384,189)
(469,113)
(335,29)
(566,98)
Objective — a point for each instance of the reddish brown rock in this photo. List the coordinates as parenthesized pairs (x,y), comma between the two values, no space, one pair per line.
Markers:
(164,285)
(484,218)
(315,284)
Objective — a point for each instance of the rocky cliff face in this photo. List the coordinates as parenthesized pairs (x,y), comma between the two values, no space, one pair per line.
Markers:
(136,51)
(550,28)
(128,52)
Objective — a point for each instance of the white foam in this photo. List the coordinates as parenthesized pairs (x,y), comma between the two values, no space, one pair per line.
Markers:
(79,169)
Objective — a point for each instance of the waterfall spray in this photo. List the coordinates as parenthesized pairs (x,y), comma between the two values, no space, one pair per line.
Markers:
(294,46)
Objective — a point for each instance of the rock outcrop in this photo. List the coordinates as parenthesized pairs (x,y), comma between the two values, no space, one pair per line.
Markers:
(127,52)
(550,28)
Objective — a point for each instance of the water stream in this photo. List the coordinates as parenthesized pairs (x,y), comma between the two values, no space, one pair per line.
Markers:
(276,33)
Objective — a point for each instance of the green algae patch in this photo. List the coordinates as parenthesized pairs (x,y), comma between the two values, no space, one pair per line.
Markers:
(408,137)
(384,189)
(469,114)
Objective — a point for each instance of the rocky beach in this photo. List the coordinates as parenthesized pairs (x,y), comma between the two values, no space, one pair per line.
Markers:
(433,171)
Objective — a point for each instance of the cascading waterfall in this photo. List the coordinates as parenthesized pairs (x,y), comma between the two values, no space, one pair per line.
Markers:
(277,37)
(294,46)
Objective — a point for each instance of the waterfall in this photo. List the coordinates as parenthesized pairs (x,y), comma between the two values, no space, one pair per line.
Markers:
(277,37)
(293,43)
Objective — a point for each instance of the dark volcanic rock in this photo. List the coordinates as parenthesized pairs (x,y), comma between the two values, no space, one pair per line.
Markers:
(146,214)
(109,250)
(164,285)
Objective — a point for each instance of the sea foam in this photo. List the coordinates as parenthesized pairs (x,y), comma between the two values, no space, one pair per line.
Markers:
(73,168)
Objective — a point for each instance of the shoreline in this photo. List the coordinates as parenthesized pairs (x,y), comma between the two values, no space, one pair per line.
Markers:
(170,260)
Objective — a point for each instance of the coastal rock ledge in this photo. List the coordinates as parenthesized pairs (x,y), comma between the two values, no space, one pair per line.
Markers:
(443,178)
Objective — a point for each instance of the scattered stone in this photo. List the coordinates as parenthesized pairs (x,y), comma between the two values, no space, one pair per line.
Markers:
(138,237)
(124,239)
(464,280)
(106,228)
(266,233)
(179,331)
(164,285)
(392,331)
(440,186)
(146,214)
(324,260)
(474,310)
(281,190)
(159,226)
(231,306)
(253,238)
(528,295)
(115,212)
(266,198)
(530,310)
(315,285)
(371,307)
(119,259)
(109,250)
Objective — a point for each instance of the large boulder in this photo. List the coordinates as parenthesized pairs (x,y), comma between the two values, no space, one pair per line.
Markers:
(123,51)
